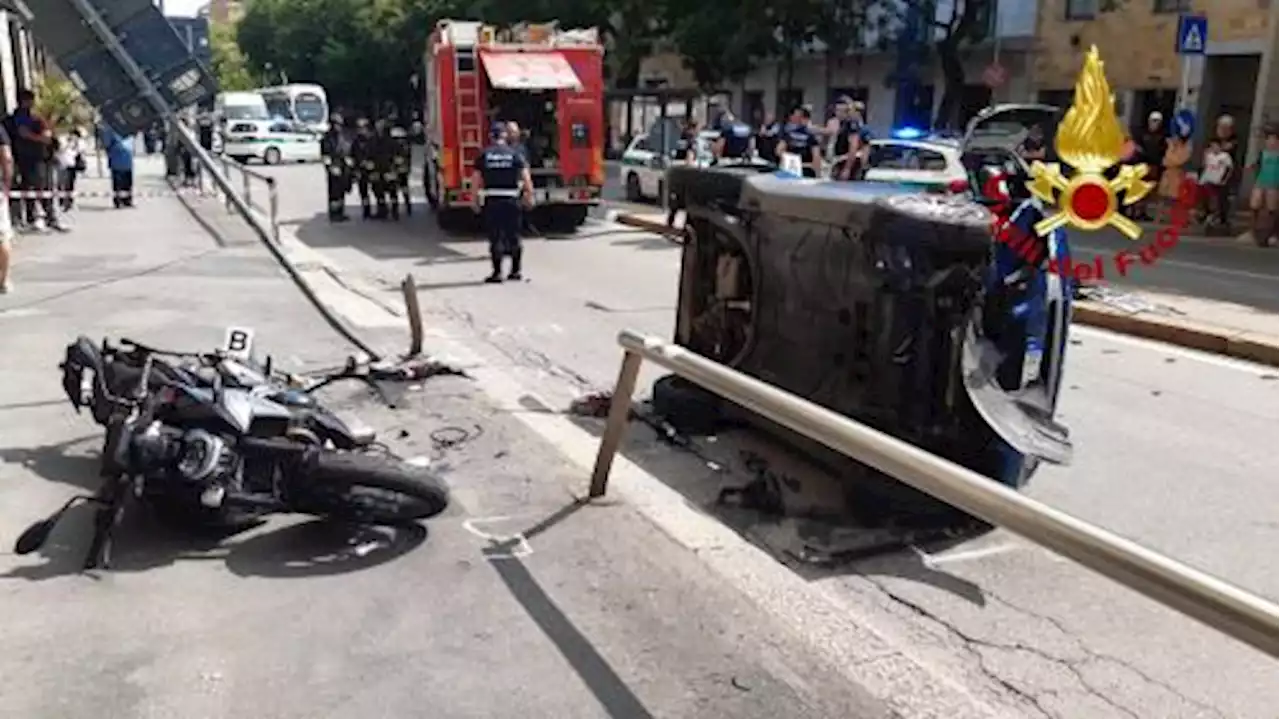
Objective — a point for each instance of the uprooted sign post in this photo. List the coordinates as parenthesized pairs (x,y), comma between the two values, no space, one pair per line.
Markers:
(1091,143)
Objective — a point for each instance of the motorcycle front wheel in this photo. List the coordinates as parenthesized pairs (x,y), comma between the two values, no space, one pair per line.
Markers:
(371,489)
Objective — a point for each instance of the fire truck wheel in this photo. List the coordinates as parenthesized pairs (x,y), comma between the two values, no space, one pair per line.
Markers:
(452,220)
(633,187)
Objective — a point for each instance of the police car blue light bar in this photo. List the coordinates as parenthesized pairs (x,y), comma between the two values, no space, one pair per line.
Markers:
(907,133)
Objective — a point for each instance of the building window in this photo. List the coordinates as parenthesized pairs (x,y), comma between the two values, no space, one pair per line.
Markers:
(1082,9)
(1173,5)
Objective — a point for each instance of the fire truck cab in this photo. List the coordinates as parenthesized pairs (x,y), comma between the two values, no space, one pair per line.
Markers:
(547,80)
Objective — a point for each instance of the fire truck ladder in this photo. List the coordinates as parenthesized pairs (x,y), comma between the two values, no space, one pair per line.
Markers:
(470,125)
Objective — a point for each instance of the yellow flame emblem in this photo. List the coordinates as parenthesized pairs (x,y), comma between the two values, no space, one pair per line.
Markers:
(1090,141)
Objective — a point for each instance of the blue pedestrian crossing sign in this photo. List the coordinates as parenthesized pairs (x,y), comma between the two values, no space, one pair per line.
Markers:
(1193,34)
(1183,124)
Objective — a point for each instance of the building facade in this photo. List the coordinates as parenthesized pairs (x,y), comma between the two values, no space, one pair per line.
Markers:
(869,75)
(222,12)
(1138,41)
(20,61)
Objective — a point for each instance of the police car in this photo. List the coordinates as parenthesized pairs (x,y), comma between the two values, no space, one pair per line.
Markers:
(911,157)
(643,167)
(270,141)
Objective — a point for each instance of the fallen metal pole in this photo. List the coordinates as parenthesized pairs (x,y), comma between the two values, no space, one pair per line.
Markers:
(95,22)
(1218,604)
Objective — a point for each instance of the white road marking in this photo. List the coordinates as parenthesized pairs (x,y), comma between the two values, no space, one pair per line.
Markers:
(935,560)
(1108,252)
(1175,350)
(518,548)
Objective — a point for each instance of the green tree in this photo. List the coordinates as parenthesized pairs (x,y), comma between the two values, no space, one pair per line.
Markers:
(718,47)
(229,64)
(60,103)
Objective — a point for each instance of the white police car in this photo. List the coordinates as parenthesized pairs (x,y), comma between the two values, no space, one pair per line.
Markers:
(270,141)
(912,157)
(644,167)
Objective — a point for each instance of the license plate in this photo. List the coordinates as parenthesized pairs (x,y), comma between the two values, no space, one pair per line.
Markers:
(238,343)
(555,196)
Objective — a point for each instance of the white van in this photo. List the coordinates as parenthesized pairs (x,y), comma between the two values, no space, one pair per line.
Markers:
(239,106)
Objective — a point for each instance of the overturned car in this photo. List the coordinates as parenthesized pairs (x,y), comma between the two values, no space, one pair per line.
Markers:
(896,308)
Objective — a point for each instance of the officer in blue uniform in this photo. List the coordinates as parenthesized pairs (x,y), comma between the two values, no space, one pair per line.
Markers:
(502,173)
(798,138)
(850,143)
(734,143)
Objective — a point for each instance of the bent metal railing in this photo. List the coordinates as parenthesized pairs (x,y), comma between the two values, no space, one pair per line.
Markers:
(1225,607)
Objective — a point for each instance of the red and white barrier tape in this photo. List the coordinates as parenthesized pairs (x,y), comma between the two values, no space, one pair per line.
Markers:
(55,194)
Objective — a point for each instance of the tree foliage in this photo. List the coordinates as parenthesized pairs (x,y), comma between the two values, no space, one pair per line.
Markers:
(229,64)
(367,51)
(60,103)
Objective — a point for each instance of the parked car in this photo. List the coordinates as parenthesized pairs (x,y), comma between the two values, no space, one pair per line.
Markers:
(270,141)
(644,166)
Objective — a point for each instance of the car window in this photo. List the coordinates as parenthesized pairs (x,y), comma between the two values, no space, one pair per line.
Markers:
(280,127)
(642,145)
(240,127)
(906,157)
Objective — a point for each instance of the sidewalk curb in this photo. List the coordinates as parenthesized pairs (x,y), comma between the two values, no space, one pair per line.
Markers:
(1182,333)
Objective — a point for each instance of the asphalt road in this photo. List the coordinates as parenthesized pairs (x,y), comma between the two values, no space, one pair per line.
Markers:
(1174,449)
(1217,269)
(516,602)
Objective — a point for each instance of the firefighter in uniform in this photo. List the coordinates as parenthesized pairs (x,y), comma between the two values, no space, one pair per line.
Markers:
(383,180)
(403,161)
(362,158)
(503,177)
(735,140)
(336,151)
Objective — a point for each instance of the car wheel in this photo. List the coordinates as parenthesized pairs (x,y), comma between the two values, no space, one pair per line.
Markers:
(271,156)
(633,187)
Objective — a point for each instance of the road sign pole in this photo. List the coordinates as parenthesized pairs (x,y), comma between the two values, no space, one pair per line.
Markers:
(1184,87)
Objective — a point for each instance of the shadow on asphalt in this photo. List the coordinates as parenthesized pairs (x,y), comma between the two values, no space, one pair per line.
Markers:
(595,671)
(146,541)
(805,534)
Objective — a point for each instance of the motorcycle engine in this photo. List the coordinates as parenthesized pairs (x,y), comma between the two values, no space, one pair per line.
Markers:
(204,456)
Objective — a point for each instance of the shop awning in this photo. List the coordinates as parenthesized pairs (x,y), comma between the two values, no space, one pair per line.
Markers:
(529,71)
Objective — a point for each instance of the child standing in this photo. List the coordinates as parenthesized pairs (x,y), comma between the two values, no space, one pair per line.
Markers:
(1266,183)
(1215,186)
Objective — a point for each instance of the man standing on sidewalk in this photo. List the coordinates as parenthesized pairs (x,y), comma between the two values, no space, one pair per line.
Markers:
(6,228)
(120,163)
(32,154)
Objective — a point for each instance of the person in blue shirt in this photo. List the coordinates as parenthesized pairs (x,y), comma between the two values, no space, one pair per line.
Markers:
(502,178)
(735,139)
(851,141)
(798,138)
(120,163)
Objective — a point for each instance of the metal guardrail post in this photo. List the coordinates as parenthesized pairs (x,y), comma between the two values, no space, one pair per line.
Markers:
(248,198)
(414,309)
(273,208)
(226,172)
(616,426)
(1189,591)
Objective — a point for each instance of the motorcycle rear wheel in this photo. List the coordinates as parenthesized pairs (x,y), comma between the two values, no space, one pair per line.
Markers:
(372,489)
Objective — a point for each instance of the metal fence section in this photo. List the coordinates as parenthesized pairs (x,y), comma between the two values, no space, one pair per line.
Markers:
(1223,606)
(265,201)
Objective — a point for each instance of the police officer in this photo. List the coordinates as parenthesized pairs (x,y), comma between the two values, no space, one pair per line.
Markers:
(384,177)
(851,142)
(402,161)
(766,140)
(502,174)
(798,138)
(335,148)
(363,162)
(735,139)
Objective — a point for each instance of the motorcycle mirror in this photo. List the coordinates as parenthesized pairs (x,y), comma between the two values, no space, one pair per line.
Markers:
(34,537)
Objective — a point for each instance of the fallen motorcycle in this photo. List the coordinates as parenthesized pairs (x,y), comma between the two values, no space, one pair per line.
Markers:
(222,442)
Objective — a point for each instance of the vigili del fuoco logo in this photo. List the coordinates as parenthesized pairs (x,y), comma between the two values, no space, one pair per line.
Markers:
(1091,143)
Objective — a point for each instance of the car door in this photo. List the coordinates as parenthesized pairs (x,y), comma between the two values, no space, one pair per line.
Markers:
(638,161)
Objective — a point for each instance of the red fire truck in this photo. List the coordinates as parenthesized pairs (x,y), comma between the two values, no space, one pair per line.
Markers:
(547,80)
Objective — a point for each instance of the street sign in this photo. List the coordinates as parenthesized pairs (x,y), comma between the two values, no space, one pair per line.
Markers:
(1193,34)
(1183,124)
(995,75)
